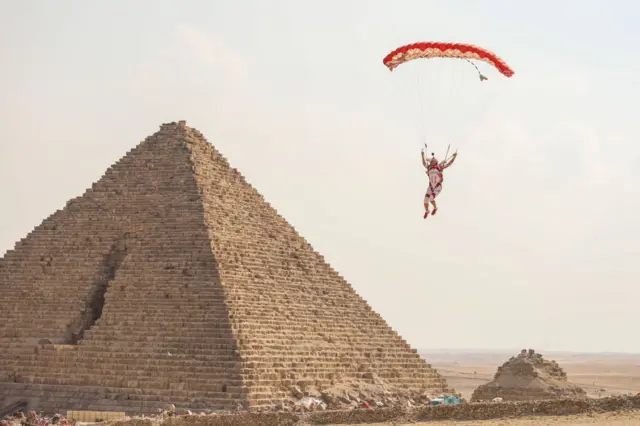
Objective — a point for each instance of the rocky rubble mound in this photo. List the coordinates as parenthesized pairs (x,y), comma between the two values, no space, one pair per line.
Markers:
(528,376)
(304,396)
(374,393)
(33,419)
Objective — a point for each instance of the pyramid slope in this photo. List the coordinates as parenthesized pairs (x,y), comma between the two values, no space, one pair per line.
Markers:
(528,376)
(171,279)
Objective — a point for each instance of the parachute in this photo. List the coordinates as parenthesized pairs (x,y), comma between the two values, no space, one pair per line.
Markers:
(428,50)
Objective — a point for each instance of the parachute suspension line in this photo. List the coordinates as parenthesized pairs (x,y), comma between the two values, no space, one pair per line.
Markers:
(482,77)
(421,118)
(432,49)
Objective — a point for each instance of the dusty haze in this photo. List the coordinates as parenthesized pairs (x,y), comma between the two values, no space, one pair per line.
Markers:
(535,241)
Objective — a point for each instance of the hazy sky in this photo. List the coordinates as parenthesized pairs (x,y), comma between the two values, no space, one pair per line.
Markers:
(537,240)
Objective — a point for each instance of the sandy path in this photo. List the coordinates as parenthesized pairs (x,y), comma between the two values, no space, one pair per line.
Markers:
(608,419)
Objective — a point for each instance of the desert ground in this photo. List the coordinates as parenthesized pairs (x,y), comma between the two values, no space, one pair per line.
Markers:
(598,374)
(609,419)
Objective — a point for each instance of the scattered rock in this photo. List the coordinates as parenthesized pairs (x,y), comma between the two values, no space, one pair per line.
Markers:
(297,392)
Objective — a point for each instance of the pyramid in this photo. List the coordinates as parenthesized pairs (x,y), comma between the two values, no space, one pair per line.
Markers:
(172,280)
(528,376)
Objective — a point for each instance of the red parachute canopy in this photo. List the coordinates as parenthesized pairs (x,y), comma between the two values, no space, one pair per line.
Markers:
(444,50)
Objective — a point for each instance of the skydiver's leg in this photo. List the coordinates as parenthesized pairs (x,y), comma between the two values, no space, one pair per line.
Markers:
(426,205)
(433,200)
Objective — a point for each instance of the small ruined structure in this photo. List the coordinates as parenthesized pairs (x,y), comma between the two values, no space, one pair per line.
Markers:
(171,280)
(528,376)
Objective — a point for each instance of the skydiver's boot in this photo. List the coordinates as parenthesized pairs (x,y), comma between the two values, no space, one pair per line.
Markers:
(426,214)
(435,207)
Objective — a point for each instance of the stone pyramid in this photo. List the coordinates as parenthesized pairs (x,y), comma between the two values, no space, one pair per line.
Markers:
(172,280)
(528,376)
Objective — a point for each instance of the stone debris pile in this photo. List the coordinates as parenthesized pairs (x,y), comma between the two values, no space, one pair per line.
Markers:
(528,376)
(373,393)
(34,419)
(355,395)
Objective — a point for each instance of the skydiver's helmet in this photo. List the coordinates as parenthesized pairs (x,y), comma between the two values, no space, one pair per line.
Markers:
(433,161)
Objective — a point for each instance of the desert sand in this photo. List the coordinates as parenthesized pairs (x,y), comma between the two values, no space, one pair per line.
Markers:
(598,374)
(609,419)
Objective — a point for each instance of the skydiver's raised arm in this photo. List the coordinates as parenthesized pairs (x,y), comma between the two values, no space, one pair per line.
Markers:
(424,162)
(450,162)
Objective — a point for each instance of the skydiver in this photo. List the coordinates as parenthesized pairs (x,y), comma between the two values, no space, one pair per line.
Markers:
(434,171)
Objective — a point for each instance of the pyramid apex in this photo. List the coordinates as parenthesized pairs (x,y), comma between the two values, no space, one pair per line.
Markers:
(176,128)
(180,124)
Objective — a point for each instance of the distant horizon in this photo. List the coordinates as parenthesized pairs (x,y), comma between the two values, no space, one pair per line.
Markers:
(500,351)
